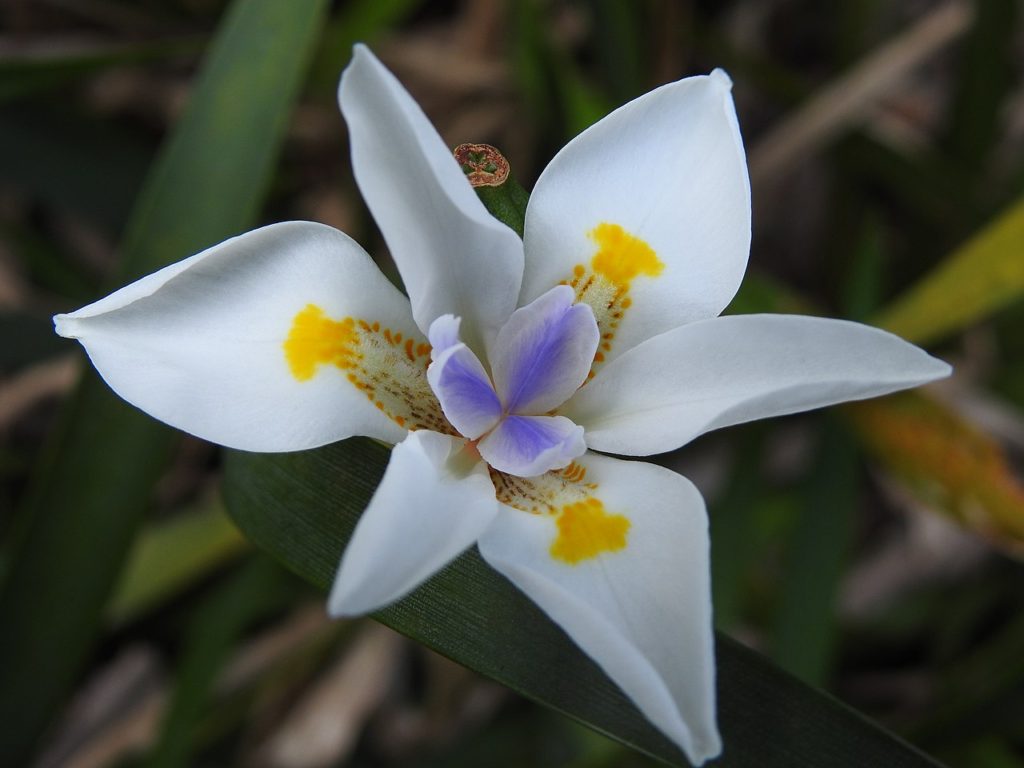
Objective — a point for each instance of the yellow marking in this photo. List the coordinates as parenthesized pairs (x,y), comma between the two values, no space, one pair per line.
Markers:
(391,375)
(315,339)
(605,284)
(621,257)
(585,531)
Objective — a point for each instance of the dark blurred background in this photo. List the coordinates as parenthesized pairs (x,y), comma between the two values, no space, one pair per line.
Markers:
(873,551)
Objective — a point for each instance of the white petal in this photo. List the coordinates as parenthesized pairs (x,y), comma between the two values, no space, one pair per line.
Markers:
(642,611)
(453,255)
(528,446)
(433,503)
(729,370)
(200,344)
(668,168)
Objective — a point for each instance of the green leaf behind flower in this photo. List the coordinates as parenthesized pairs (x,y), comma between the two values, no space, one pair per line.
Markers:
(302,508)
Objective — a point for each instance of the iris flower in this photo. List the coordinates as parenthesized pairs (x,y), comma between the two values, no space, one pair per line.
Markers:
(636,237)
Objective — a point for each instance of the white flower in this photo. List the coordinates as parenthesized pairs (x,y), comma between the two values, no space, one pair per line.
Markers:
(636,237)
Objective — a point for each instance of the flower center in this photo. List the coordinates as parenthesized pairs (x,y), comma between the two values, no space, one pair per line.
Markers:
(539,359)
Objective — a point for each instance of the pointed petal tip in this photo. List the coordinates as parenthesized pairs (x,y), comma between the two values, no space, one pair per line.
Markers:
(940,369)
(721,78)
(66,326)
(343,603)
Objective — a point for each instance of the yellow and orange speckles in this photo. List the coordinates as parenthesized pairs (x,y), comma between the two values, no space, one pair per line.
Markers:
(545,494)
(620,259)
(586,530)
(387,366)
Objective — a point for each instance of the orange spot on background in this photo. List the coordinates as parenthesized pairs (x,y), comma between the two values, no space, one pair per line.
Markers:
(621,257)
(586,530)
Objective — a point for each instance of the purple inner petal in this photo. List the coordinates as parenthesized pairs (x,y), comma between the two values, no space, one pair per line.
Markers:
(544,352)
(532,445)
(464,391)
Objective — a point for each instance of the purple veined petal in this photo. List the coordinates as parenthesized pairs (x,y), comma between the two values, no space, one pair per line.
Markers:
(528,446)
(460,381)
(544,352)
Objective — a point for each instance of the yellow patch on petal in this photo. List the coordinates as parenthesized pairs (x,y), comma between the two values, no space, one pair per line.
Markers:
(387,366)
(621,258)
(586,530)
(315,339)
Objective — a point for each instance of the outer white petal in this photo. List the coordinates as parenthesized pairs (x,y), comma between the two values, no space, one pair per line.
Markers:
(199,344)
(729,370)
(433,503)
(669,168)
(642,613)
(453,255)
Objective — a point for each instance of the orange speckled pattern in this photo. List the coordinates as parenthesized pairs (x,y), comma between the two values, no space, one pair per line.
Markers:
(386,365)
(584,528)
(620,259)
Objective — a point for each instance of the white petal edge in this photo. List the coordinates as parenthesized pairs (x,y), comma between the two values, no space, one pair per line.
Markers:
(453,255)
(199,344)
(730,370)
(432,504)
(644,613)
(670,168)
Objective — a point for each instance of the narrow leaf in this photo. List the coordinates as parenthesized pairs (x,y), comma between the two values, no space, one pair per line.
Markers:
(979,278)
(949,464)
(302,507)
(172,555)
(805,627)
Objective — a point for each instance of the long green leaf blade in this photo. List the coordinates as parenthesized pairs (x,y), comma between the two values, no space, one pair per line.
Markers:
(979,278)
(90,493)
(302,507)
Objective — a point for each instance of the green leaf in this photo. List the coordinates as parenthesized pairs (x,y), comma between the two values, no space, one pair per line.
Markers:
(90,493)
(302,507)
(172,555)
(980,277)
(805,626)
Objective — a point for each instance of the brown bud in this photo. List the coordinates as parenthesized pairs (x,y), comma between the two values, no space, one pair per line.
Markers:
(483,165)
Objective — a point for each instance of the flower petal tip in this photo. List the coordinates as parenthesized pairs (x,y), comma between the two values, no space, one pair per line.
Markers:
(941,369)
(66,326)
(721,78)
